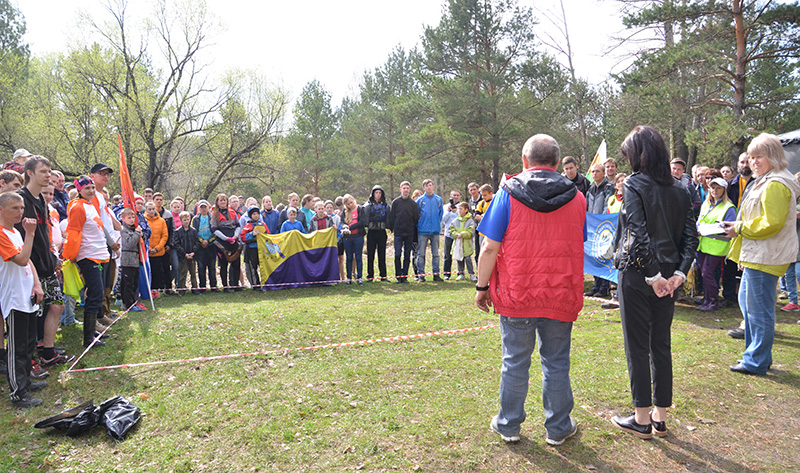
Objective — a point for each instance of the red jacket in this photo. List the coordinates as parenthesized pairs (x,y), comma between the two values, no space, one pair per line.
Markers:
(539,269)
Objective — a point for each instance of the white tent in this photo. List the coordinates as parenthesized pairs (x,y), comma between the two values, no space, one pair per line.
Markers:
(791,146)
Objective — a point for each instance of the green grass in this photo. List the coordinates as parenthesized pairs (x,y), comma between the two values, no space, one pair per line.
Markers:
(418,405)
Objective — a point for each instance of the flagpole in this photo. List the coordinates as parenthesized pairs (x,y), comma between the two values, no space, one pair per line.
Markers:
(127,200)
(147,278)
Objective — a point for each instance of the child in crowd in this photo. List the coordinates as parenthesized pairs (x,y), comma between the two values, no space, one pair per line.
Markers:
(159,237)
(206,253)
(130,259)
(253,225)
(330,209)
(462,230)
(186,243)
(56,239)
(21,293)
(292,223)
(320,220)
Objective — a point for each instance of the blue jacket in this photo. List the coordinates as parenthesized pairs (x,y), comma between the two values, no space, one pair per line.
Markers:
(271,220)
(431,211)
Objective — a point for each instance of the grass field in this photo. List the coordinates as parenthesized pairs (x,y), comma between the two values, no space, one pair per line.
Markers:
(417,405)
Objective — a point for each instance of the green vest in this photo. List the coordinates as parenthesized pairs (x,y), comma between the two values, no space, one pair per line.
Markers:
(715,245)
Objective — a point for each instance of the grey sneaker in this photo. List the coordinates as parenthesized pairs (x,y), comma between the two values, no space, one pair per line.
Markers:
(737,333)
(27,401)
(560,441)
(37,385)
(506,438)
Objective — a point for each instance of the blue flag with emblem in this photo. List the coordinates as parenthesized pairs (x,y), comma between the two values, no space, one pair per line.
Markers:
(601,231)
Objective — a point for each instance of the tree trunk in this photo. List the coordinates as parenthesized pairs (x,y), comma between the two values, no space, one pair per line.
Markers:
(741,61)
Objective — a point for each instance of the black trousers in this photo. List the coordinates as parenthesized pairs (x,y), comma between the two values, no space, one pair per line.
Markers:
(252,266)
(730,272)
(402,255)
(477,247)
(157,271)
(646,321)
(229,271)
(448,257)
(376,241)
(129,285)
(166,268)
(207,263)
(93,281)
(19,353)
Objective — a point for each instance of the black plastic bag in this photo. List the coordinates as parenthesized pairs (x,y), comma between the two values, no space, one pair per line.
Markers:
(119,415)
(73,421)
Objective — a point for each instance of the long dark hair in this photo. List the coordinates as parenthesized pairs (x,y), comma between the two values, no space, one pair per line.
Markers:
(646,152)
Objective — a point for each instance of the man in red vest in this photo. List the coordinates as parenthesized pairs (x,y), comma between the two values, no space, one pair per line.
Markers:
(531,271)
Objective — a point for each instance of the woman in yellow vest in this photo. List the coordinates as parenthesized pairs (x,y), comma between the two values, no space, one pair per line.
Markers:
(614,203)
(717,208)
(765,244)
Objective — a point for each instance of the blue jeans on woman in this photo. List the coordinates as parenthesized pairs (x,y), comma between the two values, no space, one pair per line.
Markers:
(519,336)
(353,248)
(789,283)
(757,302)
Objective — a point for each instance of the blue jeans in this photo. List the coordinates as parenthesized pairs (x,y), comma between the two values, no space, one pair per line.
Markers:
(519,336)
(174,269)
(789,282)
(68,316)
(757,302)
(353,248)
(423,244)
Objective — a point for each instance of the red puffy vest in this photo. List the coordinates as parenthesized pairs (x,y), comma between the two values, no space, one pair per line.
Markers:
(539,269)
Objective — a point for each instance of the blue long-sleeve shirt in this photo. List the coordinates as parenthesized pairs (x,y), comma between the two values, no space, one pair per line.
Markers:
(296,225)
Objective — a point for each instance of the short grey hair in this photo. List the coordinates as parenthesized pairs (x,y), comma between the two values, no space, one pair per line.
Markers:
(542,149)
(769,145)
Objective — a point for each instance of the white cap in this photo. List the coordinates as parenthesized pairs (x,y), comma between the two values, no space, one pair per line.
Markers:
(22,153)
(720,182)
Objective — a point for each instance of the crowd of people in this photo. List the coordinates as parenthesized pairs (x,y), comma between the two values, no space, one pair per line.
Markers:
(79,245)
(59,235)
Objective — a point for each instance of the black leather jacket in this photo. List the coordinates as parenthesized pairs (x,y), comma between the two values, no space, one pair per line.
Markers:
(656,230)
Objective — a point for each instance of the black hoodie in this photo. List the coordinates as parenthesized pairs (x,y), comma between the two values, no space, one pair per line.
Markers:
(542,190)
(377,210)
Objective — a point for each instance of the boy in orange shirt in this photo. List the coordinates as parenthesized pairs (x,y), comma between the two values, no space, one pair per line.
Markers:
(19,298)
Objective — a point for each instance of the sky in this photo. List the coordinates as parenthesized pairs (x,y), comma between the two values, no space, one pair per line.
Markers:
(295,42)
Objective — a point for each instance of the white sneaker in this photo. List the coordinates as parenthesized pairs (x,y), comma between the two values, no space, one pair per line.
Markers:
(506,438)
(560,441)
(473,278)
(460,277)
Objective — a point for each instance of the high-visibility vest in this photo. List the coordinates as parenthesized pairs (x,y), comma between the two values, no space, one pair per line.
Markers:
(715,245)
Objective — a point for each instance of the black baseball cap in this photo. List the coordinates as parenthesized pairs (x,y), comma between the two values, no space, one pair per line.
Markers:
(99,167)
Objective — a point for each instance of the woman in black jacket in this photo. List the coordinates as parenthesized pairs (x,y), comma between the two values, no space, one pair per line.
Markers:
(225,226)
(354,220)
(656,240)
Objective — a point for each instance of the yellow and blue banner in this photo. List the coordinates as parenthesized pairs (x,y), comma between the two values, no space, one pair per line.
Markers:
(294,259)
(598,249)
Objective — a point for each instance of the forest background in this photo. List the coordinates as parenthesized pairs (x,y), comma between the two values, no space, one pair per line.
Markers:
(456,107)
